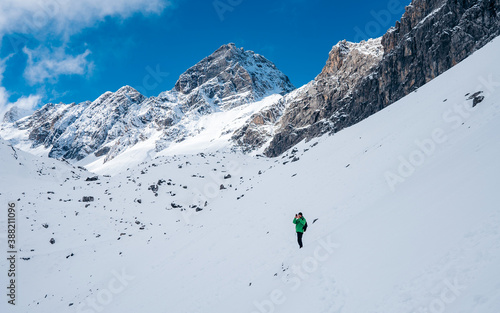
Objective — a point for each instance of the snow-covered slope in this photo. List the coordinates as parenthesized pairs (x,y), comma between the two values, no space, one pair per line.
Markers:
(208,133)
(402,207)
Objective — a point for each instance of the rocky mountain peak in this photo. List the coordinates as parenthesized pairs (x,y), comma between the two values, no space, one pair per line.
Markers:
(231,76)
(130,93)
(127,90)
(210,67)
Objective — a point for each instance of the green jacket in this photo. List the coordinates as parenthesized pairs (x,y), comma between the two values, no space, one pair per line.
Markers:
(299,224)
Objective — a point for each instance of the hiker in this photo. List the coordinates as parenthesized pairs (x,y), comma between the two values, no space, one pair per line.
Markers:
(300,226)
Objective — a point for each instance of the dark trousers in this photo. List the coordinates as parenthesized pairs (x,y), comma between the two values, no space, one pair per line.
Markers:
(299,238)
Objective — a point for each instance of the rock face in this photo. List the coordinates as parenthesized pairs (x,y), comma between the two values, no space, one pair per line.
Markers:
(102,121)
(259,128)
(432,36)
(228,78)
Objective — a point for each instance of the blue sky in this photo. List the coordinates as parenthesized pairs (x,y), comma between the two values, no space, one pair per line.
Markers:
(71,51)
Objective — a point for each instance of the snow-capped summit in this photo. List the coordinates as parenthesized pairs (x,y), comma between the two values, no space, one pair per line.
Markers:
(230,77)
(131,94)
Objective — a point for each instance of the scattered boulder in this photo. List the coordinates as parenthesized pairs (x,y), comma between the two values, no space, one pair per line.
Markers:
(175,206)
(52,241)
(476,98)
(87,199)
(153,188)
(94,178)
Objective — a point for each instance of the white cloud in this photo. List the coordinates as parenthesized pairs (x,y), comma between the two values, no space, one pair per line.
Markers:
(45,65)
(66,17)
(4,98)
(4,95)
(2,66)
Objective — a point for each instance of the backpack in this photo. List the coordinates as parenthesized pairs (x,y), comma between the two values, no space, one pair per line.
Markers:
(305,227)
